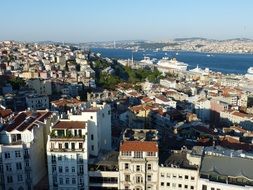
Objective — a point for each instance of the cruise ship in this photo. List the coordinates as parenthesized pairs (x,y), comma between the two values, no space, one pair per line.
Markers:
(147,60)
(249,74)
(167,63)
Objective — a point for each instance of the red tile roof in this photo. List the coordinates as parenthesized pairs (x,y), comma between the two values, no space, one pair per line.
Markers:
(64,102)
(143,146)
(5,112)
(70,125)
(26,120)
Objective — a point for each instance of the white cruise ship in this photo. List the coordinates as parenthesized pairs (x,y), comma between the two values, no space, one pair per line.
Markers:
(249,74)
(147,60)
(198,70)
(167,63)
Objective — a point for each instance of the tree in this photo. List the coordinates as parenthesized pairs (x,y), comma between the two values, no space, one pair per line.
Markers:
(17,82)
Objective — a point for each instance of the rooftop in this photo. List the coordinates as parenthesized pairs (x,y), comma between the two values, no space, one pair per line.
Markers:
(142,146)
(69,125)
(26,120)
(140,134)
(176,159)
(227,166)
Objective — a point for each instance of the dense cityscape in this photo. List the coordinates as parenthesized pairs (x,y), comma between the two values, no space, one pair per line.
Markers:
(72,119)
(126,95)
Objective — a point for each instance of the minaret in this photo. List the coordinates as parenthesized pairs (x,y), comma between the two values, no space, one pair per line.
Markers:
(132,58)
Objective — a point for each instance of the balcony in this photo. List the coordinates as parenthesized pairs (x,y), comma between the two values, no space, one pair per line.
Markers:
(66,150)
(26,156)
(28,180)
(28,168)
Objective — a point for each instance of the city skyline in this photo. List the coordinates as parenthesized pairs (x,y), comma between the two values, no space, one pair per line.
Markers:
(90,21)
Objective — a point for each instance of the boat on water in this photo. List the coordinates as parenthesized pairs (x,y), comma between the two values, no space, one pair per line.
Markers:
(146,60)
(167,63)
(198,70)
(249,74)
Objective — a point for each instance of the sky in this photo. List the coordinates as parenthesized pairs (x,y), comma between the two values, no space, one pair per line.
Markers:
(107,20)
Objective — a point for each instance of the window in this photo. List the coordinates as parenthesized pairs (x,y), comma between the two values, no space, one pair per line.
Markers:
(92,137)
(126,166)
(91,117)
(61,181)
(109,112)
(53,158)
(19,166)
(149,167)
(60,169)
(174,176)
(73,146)
(151,153)
(67,180)
(73,169)
(212,188)
(8,167)
(192,187)
(138,154)
(126,187)
(127,178)
(180,176)
(7,155)
(192,178)
(186,177)
(174,185)
(66,169)
(53,168)
(73,180)
(149,177)
(17,154)
(60,158)
(204,187)
(162,174)
(92,147)
(139,179)
(138,168)
(168,175)
(9,179)
(162,184)
(179,185)
(67,145)
(186,186)
(168,184)
(127,153)
(20,178)
(80,145)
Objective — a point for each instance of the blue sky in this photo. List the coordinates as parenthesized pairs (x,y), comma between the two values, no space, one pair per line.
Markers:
(105,20)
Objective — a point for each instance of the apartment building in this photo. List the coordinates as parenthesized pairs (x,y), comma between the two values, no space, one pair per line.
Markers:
(98,118)
(41,87)
(138,160)
(179,170)
(22,149)
(35,102)
(67,155)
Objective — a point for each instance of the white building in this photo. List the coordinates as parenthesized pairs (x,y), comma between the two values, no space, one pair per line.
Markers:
(22,150)
(179,171)
(138,160)
(98,118)
(36,102)
(221,172)
(42,87)
(67,155)
(203,109)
